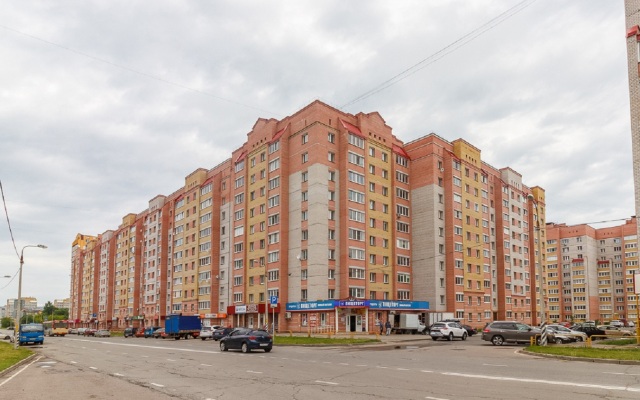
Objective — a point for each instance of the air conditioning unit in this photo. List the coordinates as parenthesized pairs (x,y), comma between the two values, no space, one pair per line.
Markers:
(287,315)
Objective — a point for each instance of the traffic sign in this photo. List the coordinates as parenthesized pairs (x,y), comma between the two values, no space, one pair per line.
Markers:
(273,300)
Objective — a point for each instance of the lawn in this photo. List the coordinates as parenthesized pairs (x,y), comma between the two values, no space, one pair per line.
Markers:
(630,352)
(9,356)
(303,340)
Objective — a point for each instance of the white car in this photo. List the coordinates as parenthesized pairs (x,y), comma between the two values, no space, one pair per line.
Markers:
(207,332)
(447,330)
(577,335)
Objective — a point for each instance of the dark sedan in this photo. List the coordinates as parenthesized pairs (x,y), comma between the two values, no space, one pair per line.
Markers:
(221,332)
(247,339)
(470,330)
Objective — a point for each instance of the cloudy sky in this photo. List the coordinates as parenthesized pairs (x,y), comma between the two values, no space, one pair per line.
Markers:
(104,105)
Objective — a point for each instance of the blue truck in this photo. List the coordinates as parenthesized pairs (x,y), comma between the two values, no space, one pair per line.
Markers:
(179,326)
(31,333)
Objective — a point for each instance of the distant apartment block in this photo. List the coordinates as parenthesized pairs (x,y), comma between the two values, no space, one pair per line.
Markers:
(323,220)
(590,272)
(632,18)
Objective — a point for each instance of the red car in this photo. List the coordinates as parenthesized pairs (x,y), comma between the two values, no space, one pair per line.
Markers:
(89,332)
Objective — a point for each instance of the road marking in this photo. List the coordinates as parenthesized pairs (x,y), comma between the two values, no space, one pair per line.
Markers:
(48,362)
(620,373)
(402,369)
(169,359)
(19,371)
(543,381)
(343,363)
(328,383)
(93,368)
(253,372)
(381,366)
(361,365)
(326,362)
(117,374)
(435,398)
(145,356)
(45,366)
(147,347)
(496,365)
(157,384)
(206,365)
(426,370)
(74,362)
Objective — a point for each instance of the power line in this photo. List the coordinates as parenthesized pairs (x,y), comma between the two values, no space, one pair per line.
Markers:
(135,71)
(6,213)
(455,45)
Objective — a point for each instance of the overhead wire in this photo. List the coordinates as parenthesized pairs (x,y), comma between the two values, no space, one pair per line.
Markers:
(136,71)
(453,46)
(6,213)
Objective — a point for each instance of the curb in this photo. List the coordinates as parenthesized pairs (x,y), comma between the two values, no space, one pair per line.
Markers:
(17,365)
(583,359)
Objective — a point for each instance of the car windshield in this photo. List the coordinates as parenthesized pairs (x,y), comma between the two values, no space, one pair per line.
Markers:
(32,328)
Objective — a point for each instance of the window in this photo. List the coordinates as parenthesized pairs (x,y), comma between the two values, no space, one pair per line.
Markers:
(273,147)
(356,159)
(356,177)
(356,140)
(331,156)
(274,165)
(331,137)
(305,138)
(305,157)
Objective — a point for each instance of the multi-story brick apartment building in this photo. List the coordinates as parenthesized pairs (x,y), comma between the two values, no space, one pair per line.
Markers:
(335,217)
(632,20)
(590,271)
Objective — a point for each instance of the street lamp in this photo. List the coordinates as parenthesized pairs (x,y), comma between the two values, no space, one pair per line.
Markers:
(16,341)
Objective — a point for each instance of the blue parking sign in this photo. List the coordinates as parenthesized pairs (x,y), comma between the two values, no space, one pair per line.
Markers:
(273,300)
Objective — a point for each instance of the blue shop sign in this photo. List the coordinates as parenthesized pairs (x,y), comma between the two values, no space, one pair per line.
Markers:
(375,304)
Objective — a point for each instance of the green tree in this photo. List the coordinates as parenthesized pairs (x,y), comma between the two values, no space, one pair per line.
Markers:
(6,322)
(48,309)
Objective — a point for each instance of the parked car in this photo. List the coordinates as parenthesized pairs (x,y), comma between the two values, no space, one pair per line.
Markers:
(207,332)
(589,330)
(617,323)
(73,331)
(579,336)
(470,330)
(102,333)
(128,332)
(149,331)
(448,330)
(158,333)
(558,337)
(499,332)
(246,339)
(139,333)
(81,331)
(221,332)
(89,332)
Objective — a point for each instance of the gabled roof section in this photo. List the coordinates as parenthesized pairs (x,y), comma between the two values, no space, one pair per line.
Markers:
(278,134)
(351,128)
(241,156)
(399,150)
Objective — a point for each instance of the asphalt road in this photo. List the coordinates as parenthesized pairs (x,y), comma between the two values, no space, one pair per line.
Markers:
(101,368)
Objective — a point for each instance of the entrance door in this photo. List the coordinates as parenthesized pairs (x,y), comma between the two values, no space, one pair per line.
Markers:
(352,323)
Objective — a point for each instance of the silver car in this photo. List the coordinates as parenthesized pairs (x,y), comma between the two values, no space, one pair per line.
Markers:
(499,332)
(577,335)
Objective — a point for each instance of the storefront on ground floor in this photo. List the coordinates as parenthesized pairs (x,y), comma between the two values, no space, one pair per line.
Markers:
(346,315)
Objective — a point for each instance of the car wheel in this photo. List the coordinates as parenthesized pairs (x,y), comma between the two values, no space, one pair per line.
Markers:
(434,338)
(223,346)
(558,341)
(245,348)
(450,338)
(267,350)
(579,339)
(203,339)
(497,340)
(464,336)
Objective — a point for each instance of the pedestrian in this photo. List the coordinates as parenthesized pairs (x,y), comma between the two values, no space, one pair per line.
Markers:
(380,325)
(388,326)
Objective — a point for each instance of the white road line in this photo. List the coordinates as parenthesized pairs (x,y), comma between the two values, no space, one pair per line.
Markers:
(361,365)
(206,365)
(148,347)
(496,365)
(435,398)
(381,366)
(253,372)
(93,368)
(343,363)
(48,362)
(402,369)
(74,362)
(117,374)
(620,373)
(169,359)
(326,362)
(19,371)
(157,384)
(546,382)
(328,383)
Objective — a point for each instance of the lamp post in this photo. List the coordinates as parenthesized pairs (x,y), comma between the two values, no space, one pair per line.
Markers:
(16,341)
